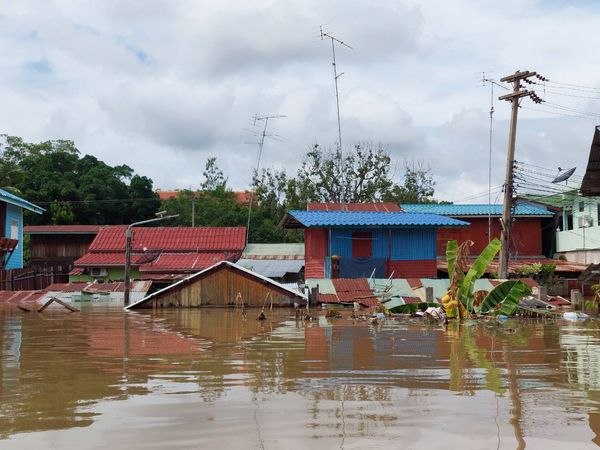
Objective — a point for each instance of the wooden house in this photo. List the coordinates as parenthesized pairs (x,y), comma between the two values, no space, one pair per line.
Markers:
(56,247)
(11,229)
(224,284)
(368,240)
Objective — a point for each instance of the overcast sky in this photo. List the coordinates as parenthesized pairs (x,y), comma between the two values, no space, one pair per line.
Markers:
(162,85)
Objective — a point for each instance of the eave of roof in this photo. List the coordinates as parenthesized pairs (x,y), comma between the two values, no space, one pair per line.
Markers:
(62,229)
(7,197)
(522,209)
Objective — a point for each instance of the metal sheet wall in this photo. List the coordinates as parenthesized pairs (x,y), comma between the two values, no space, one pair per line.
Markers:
(413,244)
(341,242)
(315,243)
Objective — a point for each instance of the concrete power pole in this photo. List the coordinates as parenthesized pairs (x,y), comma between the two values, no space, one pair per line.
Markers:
(506,224)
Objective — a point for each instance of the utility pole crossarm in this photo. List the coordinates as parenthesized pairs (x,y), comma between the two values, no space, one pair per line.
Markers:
(514,95)
(518,75)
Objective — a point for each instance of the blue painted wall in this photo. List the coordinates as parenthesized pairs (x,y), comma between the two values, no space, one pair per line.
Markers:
(407,243)
(15,213)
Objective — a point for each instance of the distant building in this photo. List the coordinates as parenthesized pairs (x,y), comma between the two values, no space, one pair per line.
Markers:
(160,253)
(532,233)
(242,197)
(280,262)
(11,229)
(578,233)
(364,239)
(56,247)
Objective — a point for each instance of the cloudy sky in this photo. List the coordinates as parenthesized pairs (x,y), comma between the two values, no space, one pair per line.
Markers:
(162,85)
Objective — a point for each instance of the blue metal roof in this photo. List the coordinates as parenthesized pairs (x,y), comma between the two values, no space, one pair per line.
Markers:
(521,209)
(374,219)
(7,197)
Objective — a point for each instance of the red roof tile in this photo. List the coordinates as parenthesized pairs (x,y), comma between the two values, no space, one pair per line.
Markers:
(62,229)
(377,207)
(189,262)
(173,239)
(110,259)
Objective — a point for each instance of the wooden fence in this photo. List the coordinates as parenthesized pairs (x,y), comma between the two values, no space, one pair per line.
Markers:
(29,279)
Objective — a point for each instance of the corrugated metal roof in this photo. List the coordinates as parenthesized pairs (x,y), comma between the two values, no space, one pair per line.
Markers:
(62,229)
(272,268)
(18,201)
(325,285)
(111,239)
(521,209)
(514,264)
(119,286)
(352,218)
(109,259)
(188,262)
(381,207)
(274,251)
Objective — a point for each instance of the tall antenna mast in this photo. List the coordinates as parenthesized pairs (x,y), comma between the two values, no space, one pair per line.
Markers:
(485,80)
(334,40)
(261,143)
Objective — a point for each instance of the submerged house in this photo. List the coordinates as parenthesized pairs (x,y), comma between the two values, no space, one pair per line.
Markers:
(57,247)
(11,229)
(370,239)
(532,230)
(223,284)
(158,253)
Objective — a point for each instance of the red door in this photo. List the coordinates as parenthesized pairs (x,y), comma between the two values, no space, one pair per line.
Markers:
(362,244)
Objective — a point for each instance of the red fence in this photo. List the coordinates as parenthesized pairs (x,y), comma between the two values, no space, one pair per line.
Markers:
(29,280)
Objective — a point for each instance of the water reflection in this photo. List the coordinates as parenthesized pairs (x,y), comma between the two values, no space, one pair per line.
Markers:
(212,375)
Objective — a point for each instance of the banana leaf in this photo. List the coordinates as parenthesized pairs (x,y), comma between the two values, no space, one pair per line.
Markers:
(465,289)
(507,295)
(412,308)
(451,256)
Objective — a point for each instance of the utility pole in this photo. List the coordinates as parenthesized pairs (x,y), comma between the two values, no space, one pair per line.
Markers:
(517,93)
(337,102)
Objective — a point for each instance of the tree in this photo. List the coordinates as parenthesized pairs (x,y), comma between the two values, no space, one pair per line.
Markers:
(213,176)
(74,189)
(418,185)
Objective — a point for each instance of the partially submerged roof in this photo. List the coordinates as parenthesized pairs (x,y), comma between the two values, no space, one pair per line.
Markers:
(590,185)
(62,229)
(111,239)
(221,265)
(178,262)
(272,268)
(372,207)
(307,219)
(7,197)
(274,251)
(521,209)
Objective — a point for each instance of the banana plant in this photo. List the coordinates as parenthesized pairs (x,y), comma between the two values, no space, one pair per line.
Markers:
(460,297)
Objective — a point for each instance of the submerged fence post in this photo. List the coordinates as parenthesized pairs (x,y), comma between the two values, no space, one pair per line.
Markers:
(575,298)
(429,294)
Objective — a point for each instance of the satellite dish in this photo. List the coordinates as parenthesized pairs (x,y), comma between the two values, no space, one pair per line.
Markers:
(564,175)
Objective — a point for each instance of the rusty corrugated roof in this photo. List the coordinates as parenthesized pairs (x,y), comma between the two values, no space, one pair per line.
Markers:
(62,229)
(188,262)
(561,266)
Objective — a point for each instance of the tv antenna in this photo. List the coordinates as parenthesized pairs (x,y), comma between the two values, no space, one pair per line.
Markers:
(261,142)
(564,175)
(324,35)
(485,80)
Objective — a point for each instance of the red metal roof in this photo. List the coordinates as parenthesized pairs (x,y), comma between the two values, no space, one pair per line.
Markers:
(242,197)
(189,262)
(15,297)
(110,259)
(62,229)
(370,207)
(117,286)
(172,239)
(354,290)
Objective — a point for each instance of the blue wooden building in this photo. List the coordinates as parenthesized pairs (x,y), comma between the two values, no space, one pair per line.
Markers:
(11,229)
(354,244)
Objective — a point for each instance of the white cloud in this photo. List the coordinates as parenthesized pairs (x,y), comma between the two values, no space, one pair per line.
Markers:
(162,86)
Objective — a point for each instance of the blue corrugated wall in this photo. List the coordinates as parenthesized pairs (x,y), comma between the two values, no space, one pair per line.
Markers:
(407,243)
(15,213)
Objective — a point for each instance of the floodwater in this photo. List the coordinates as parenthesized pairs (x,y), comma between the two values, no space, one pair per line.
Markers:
(207,378)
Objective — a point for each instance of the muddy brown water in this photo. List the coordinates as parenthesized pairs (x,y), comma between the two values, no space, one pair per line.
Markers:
(207,378)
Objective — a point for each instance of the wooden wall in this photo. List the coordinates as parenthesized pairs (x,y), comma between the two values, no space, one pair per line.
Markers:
(220,288)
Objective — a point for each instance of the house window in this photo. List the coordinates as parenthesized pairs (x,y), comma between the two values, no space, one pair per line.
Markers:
(581,206)
(362,245)
(569,220)
(14,229)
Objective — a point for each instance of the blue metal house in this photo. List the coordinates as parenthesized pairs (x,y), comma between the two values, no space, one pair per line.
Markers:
(11,229)
(354,244)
